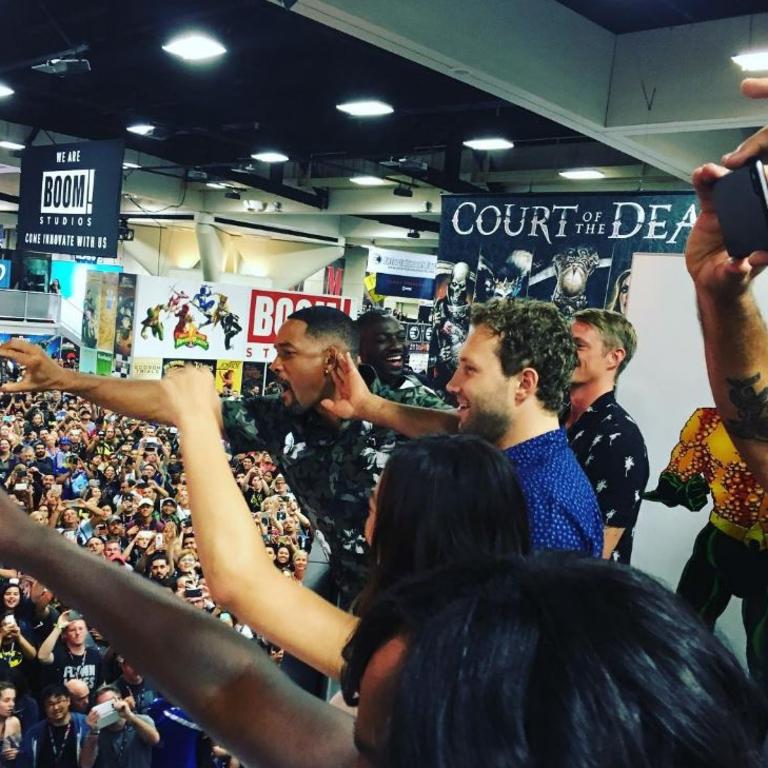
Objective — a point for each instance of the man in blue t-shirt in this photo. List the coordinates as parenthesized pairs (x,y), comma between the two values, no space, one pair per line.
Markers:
(513,376)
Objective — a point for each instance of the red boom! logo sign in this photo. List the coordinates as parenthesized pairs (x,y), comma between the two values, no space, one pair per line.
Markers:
(269,310)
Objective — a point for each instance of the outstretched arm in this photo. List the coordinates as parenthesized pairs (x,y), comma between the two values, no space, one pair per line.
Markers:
(231,549)
(139,399)
(354,400)
(231,688)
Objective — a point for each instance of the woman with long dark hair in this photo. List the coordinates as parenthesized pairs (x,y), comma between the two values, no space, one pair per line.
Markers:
(440,499)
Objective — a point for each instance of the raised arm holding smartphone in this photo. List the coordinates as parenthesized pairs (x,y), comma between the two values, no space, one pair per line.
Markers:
(735,334)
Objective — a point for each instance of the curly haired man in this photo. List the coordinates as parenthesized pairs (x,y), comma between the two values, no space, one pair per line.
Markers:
(511,382)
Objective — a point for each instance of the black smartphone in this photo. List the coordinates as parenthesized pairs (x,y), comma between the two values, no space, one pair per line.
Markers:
(741,202)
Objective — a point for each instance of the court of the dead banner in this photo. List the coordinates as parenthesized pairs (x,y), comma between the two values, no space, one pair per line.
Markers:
(573,250)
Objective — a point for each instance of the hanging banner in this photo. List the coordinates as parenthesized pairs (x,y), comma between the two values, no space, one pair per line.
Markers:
(270,309)
(188,319)
(107,312)
(69,198)
(126,308)
(402,274)
(5,273)
(573,250)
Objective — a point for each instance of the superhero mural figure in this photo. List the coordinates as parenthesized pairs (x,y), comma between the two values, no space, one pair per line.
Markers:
(507,281)
(230,322)
(573,267)
(730,554)
(153,322)
(451,325)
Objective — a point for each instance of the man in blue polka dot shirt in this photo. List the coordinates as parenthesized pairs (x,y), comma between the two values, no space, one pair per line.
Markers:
(513,375)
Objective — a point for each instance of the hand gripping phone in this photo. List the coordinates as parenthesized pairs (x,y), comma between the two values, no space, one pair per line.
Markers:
(741,202)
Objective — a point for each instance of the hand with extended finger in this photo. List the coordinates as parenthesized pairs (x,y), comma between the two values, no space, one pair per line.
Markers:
(41,372)
(352,398)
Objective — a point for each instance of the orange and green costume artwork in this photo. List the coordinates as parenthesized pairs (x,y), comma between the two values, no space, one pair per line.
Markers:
(730,555)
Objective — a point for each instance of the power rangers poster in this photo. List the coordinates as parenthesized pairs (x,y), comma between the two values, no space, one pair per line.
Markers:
(189,320)
(573,250)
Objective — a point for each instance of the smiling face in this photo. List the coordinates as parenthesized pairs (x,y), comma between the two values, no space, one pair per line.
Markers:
(483,392)
(12,597)
(382,346)
(300,366)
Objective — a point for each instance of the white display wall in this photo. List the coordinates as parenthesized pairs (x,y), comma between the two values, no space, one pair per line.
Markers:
(665,382)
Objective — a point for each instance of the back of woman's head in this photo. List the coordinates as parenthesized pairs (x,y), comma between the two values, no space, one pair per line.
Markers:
(558,663)
(442,499)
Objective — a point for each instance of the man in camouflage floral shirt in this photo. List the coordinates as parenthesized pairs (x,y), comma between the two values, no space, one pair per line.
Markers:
(330,465)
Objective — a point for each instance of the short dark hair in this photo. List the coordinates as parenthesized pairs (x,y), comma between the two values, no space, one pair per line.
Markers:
(431,509)
(556,660)
(372,317)
(6,684)
(532,334)
(55,691)
(330,322)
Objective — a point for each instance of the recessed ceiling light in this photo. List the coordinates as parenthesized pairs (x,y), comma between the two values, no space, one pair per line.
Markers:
(5,91)
(757,61)
(130,166)
(270,157)
(216,185)
(141,129)
(370,108)
(194,47)
(491,144)
(582,174)
(369,181)
(12,145)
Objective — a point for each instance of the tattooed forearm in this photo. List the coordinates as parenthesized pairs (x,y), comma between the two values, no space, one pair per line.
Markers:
(751,404)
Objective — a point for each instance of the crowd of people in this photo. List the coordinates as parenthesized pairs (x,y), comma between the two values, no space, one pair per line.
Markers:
(485,610)
(116,487)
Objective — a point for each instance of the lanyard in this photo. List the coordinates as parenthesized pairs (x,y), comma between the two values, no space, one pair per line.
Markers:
(58,751)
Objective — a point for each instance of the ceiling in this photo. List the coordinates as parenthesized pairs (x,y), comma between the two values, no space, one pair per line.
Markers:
(622,16)
(285,70)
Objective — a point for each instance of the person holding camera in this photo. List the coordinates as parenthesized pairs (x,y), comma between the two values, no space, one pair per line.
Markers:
(735,335)
(117,737)
(71,659)
(10,726)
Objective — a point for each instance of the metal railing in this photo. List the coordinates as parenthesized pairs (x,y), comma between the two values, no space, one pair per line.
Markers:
(35,307)
(29,306)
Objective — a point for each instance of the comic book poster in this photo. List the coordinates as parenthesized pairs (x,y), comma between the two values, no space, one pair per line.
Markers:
(229,377)
(107,314)
(253,379)
(126,308)
(190,320)
(573,250)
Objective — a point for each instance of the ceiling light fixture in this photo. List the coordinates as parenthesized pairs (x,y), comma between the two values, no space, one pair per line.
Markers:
(490,144)
(414,233)
(270,157)
(12,145)
(755,61)
(216,185)
(582,174)
(5,91)
(403,190)
(369,181)
(194,47)
(141,129)
(130,166)
(370,108)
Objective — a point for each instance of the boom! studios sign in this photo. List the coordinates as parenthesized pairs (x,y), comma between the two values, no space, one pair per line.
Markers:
(70,198)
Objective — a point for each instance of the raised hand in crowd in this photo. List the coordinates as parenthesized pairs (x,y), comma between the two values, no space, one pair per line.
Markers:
(735,336)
